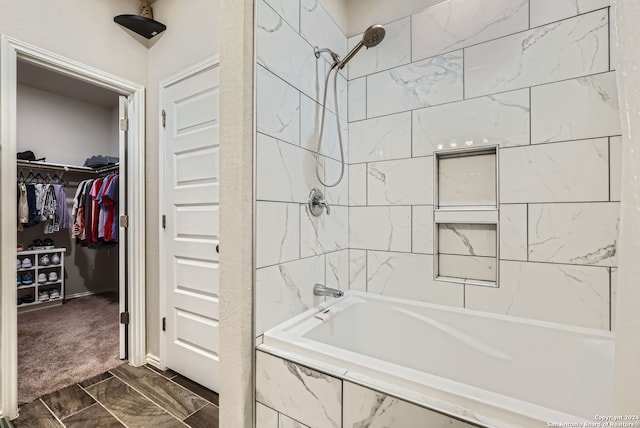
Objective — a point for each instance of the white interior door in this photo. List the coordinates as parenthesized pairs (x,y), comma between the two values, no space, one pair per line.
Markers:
(122,207)
(191,195)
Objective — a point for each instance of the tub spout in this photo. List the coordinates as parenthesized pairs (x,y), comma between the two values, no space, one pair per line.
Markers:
(321,290)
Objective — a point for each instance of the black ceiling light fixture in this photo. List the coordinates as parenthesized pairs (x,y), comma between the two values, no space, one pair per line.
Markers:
(143,23)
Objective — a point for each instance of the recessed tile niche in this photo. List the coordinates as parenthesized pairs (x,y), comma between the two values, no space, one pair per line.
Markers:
(466,216)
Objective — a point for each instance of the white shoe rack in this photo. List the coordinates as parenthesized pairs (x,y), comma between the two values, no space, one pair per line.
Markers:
(36,287)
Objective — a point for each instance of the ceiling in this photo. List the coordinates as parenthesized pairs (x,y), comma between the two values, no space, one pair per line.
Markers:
(51,81)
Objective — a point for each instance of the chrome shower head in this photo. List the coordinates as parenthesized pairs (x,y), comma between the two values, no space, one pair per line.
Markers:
(371,37)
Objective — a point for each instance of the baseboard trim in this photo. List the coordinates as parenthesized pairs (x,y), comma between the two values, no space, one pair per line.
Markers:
(87,293)
(153,360)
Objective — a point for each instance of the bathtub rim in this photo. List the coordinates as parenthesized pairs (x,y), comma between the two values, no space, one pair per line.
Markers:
(439,394)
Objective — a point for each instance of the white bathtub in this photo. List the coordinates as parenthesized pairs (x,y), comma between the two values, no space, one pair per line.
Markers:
(492,370)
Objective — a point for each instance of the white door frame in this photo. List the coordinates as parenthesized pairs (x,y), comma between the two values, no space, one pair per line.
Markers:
(212,62)
(10,51)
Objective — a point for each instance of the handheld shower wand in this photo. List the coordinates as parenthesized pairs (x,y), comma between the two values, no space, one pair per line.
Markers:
(371,37)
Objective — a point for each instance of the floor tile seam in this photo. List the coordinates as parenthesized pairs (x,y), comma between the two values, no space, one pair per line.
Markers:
(148,367)
(84,408)
(194,393)
(104,406)
(51,411)
(148,398)
(207,404)
(99,382)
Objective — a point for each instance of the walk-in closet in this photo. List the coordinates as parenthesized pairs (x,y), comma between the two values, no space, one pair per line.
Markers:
(67,258)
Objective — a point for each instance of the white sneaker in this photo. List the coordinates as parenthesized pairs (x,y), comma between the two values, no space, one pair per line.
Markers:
(43,295)
(18,264)
(53,276)
(54,294)
(55,259)
(44,260)
(42,278)
(26,263)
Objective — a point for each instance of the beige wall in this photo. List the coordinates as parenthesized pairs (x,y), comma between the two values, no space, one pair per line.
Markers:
(190,38)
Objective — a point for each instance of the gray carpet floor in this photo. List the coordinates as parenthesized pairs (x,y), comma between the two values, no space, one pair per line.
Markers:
(66,344)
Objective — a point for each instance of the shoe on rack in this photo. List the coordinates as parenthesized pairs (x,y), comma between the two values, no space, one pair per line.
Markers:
(42,278)
(43,295)
(28,299)
(53,276)
(26,263)
(27,278)
(18,264)
(47,243)
(55,259)
(36,244)
(54,294)
(19,280)
(20,247)
(44,260)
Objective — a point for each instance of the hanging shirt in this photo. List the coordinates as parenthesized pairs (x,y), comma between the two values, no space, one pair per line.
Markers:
(23,205)
(62,213)
(102,219)
(92,234)
(112,195)
(34,216)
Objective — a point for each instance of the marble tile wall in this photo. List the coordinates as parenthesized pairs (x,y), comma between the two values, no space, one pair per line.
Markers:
(533,77)
(295,250)
(293,396)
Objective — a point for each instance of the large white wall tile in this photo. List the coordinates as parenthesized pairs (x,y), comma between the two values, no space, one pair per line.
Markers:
(286,422)
(467,267)
(336,195)
(287,9)
(614,297)
(382,138)
(337,269)
(580,108)
(310,119)
(286,290)
(380,228)
(401,182)
(281,50)
(545,11)
(319,29)
(467,180)
(364,407)
(278,107)
(357,99)
(310,397)
(420,84)
(513,232)
(467,239)
(563,50)
(422,229)
(358,270)
(266,417)
(552,172)
(455,24)
(615,167)
(409,276)
(358,184)
(277,233)
(284,172)
(577,295)
(325,233)
(583,234)
(501,119)
(394,50)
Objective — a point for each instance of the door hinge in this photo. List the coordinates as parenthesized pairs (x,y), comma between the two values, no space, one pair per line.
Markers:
(124,221)
(164,221)
(124,124)
(124,317)
(164,324)
(164,119)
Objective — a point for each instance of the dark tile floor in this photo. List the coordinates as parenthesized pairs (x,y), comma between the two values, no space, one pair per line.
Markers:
(135,397)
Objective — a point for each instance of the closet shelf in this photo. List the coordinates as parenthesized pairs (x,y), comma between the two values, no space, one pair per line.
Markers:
(48,166)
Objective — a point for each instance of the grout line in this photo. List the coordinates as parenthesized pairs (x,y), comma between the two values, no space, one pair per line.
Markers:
(81,410)
(609,166)
(103,406)
(609,36)
(529,14)
(50,411)
(191,414)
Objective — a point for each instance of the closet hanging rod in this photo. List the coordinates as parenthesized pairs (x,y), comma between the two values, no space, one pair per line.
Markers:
(66,168)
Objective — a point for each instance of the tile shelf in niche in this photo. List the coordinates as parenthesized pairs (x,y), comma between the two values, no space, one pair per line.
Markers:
(466,179)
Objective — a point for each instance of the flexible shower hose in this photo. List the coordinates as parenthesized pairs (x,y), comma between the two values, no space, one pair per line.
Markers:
(324,109)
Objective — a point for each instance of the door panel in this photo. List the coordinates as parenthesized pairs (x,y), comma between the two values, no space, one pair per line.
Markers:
(191,205)
(123,112)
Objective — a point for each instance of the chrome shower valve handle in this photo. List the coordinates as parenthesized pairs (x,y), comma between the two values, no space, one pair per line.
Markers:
(317,202)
